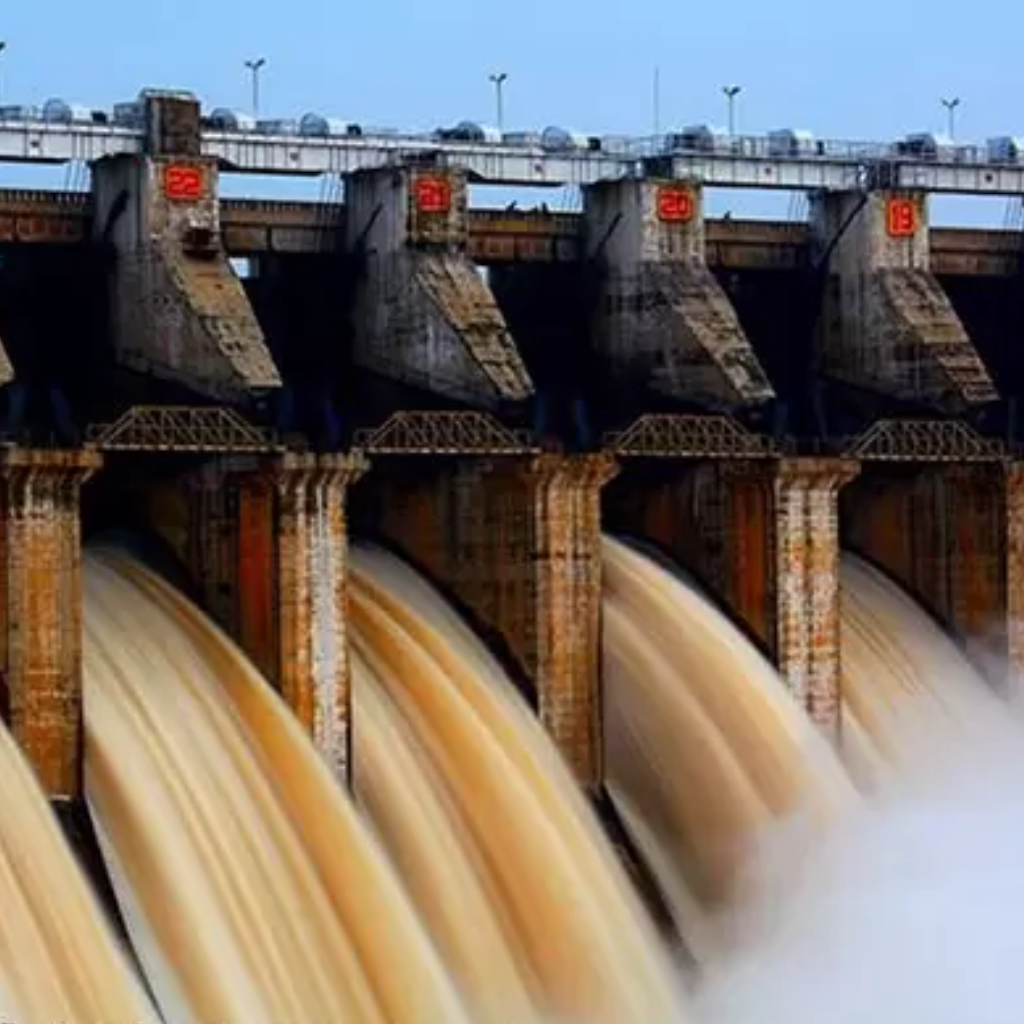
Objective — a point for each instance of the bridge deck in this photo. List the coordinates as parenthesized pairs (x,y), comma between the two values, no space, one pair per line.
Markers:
(252,226)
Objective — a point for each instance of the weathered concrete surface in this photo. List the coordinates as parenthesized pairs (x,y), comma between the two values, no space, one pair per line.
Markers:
(519,544)
(886,323)
(269,549)
(41,609)
(422,313)
(764,536)
(662,320)
(179,309)
(954,537)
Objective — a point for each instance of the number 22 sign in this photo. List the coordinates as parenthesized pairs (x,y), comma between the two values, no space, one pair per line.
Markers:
(184,183)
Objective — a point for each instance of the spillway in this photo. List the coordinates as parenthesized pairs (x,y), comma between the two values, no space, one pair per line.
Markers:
(705,745)
(905,682)
(253,888)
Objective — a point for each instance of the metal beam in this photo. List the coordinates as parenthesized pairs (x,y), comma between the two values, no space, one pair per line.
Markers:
(684,436)
(443,433)
(913,440)
(180,428)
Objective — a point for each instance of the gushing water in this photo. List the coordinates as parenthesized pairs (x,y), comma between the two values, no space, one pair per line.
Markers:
(558,898)
(705,746)
(469,880)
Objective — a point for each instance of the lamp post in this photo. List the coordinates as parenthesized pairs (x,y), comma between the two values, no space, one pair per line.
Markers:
(951,105)
(255,67)
(499,79)
(3,46)
(731,92)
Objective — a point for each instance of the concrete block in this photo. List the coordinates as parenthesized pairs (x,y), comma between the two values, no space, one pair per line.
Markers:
(179,310)
(886,323)
(764,537)
(423,315)
(269,548)
(662,320)
(41,609)
(519,544)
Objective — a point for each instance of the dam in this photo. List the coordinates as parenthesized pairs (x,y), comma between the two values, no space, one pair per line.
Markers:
(546,434)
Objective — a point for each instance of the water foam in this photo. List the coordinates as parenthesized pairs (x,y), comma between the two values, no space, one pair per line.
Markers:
(906,911)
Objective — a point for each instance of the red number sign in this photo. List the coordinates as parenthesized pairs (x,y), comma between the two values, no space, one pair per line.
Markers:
(901,218)
(184,183)
(433,195)
(675,205)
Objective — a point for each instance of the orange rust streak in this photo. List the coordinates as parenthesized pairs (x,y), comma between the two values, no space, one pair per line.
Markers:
(751,575)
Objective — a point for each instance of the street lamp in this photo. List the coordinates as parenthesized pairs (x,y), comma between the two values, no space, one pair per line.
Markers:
(255,67)
(951,106)
(3,46)
(499,79)
(731,92)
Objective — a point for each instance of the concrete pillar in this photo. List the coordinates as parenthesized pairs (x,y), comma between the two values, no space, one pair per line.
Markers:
(423,315)
(765,538)
(662,320)
(270,551)
(41,609)
(179,310)
(953,535)
(519,544)
(886,323)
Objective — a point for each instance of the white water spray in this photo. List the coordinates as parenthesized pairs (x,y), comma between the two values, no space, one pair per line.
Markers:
(906,912)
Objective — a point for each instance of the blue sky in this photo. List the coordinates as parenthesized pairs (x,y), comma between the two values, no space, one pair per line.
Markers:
(873,70)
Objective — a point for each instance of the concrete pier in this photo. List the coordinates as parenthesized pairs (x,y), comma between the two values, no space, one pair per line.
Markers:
(662,320)
(423,315)
(179,310)
(269,547)
(41,609)
(764,536)
(886,323)
(518,542)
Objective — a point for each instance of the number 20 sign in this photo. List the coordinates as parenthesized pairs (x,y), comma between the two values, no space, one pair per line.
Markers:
(184,183)
(675,205)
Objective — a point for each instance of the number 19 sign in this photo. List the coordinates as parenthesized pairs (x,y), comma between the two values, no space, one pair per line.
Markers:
(901,218)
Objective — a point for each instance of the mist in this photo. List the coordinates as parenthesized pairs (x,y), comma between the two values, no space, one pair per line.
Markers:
(905,910)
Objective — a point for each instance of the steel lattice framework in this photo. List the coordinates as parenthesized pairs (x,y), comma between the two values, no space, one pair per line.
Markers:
(923,441)
(180,428)
(443,433)
(685,436)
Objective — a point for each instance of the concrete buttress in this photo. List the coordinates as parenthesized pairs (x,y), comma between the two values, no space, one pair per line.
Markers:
(662,320)
(179,310)
(886,323)
(423,315)
(270,550)
(518,543)
(765,537)
(41,609)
